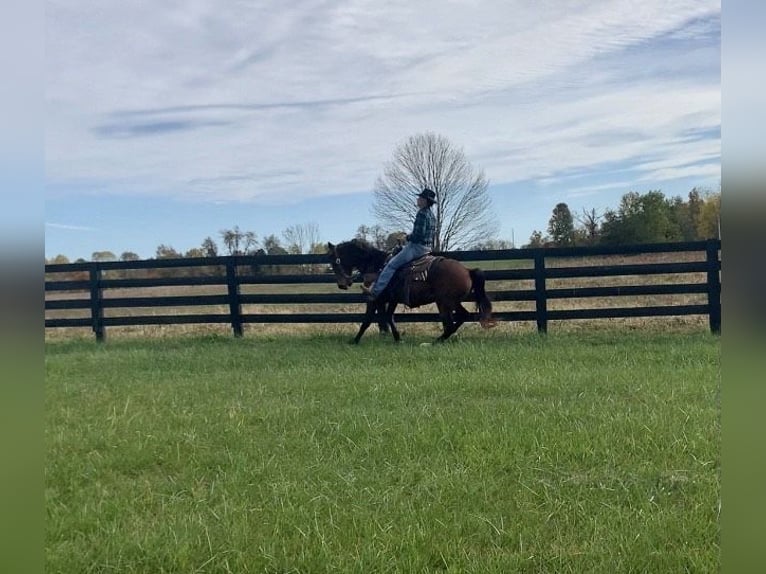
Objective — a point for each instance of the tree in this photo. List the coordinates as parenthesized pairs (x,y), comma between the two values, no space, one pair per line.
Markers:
(272,245)
(195,252)
(709,225)
(209,247)
(129,256)
(238,242)
(103,256)
(561,226)
(395,239)
(463,211)
(647,218)
(363,232)
(658,222)
(536,239)
(319,248)
(301,238)
(166,252)
(374,235)
(590,222)
(59,259)
(688,214)
(493,244)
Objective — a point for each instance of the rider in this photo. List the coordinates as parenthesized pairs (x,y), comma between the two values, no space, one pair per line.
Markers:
(419,243)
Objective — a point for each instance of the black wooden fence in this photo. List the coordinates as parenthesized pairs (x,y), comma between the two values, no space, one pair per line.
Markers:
(97,281)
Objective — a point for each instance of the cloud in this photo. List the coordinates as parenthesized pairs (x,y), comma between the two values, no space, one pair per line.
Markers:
(68,227)
(156,128)
(255,107)
(276,101)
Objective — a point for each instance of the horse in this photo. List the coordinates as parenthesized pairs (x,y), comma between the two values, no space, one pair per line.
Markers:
(446,282)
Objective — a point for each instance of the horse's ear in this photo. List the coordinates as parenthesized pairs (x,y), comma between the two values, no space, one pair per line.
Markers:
(330,246)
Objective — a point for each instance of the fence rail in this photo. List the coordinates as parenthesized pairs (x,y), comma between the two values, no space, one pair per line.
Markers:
(234,272)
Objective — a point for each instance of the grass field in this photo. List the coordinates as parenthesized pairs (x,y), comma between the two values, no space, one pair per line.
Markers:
(592,451)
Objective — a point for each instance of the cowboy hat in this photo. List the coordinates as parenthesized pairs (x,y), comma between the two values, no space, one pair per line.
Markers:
(428,194)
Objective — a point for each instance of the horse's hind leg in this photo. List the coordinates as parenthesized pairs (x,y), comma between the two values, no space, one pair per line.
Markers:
(447,322)
(461,316)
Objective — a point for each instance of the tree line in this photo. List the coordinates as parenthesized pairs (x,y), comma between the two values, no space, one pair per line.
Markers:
(295,239)
(640,218)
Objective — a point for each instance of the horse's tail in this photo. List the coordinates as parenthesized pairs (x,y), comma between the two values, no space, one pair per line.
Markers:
(483,304)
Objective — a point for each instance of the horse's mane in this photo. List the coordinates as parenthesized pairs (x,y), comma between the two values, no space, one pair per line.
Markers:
(363,253)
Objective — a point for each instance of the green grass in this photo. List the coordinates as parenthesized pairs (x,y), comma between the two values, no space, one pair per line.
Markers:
(594,452)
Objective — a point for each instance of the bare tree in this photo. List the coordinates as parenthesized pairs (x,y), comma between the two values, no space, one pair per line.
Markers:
(302,237)
(374,235)
(590,222)
(239,242)
(463,211)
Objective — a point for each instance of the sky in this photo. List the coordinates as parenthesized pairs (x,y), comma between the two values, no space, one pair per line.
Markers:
(169,121)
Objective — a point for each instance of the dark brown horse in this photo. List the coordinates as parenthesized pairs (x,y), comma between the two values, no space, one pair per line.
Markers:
(446,283)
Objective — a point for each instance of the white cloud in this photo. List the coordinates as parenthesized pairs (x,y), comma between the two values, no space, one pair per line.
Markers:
(269,100)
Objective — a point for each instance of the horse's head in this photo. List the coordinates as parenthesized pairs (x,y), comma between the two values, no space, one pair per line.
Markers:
(352,255)
(340,266)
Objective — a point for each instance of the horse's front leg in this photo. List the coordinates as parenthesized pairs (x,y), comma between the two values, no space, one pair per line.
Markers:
(380,310)
(389,318)
(369,316)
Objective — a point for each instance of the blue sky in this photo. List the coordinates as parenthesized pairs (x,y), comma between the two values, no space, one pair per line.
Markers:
(169,121)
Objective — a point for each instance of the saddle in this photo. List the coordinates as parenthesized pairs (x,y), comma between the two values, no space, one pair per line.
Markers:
(412,273)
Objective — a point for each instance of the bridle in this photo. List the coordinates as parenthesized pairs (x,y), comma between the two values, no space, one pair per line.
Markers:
(337,267)
(340,272)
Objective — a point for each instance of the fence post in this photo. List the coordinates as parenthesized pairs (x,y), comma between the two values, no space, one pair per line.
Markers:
(235,307)
(713,286)
(541,301)
(96,303)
